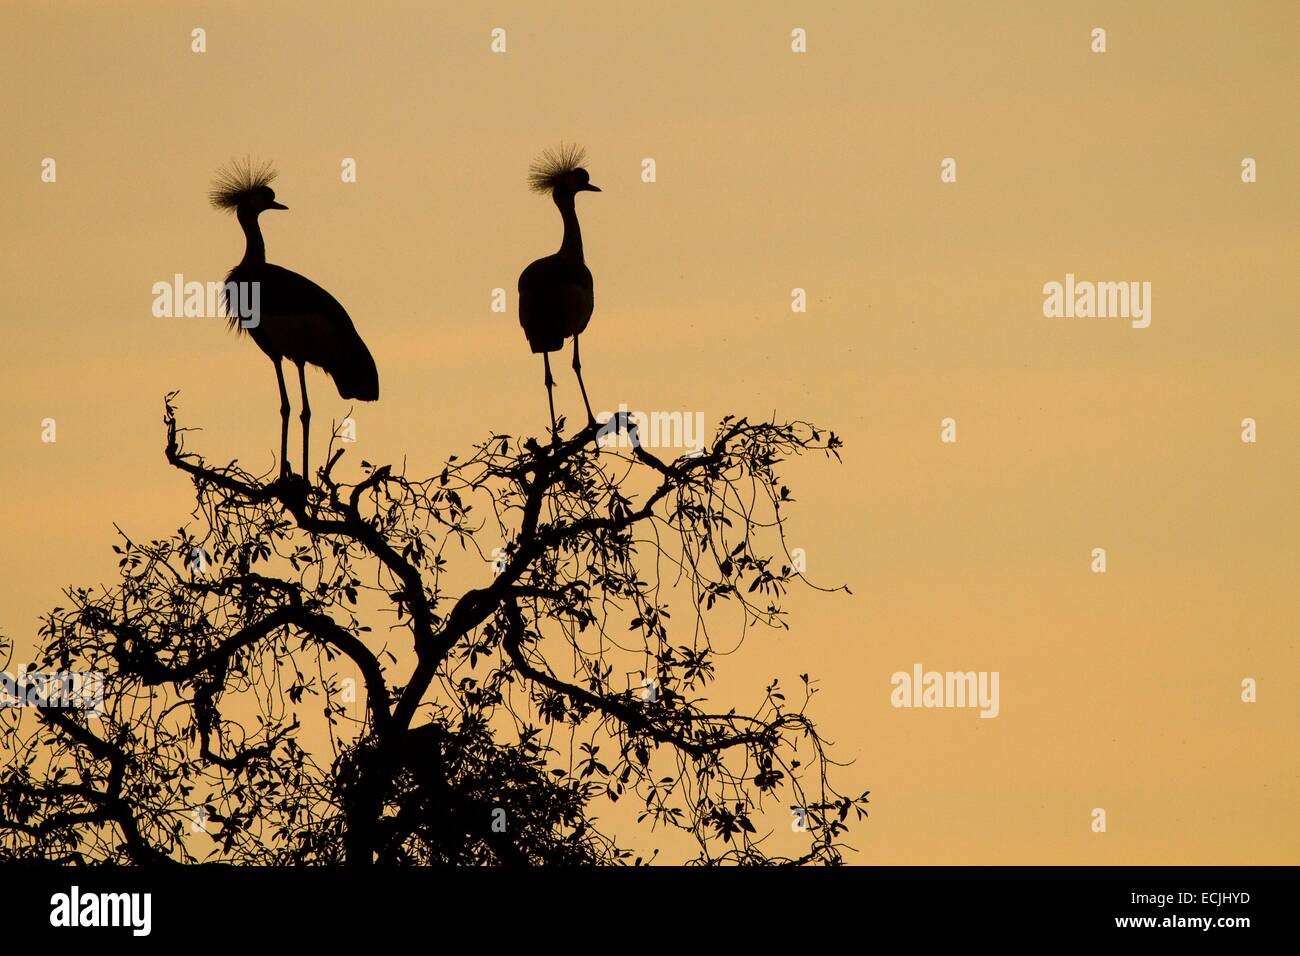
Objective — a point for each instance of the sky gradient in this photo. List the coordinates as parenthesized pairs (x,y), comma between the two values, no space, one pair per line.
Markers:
(775,171)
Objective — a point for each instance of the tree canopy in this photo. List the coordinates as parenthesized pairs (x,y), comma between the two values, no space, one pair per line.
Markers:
(463,668)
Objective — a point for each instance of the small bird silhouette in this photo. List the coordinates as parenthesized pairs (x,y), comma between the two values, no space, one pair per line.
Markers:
(296,318)
(555,293)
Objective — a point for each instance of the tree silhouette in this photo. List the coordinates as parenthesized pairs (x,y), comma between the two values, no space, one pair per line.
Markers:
(519,668)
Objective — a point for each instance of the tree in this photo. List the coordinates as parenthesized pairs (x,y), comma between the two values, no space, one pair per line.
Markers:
(494,718)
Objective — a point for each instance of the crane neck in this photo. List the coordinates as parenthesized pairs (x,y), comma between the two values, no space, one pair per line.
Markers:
(255,252)
(572,244)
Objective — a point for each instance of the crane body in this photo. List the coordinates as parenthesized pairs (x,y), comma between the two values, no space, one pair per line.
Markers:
(556,292)
(297,319)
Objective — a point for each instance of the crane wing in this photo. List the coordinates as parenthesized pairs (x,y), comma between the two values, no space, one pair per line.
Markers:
(303,323)
(556,298)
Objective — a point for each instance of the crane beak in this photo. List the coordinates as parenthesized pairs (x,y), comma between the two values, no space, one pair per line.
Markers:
(276,205)
(589,188)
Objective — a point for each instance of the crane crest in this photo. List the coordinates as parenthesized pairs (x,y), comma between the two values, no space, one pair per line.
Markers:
(238,180)
(549,169)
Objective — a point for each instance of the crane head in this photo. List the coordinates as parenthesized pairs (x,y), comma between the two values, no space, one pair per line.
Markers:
(244,186)
(561,172)
(579,181)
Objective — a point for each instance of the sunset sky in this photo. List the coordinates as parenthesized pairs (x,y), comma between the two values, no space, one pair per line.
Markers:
(775,170)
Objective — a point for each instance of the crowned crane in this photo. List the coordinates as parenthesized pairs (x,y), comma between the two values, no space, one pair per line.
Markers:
(555,293)
(296,319)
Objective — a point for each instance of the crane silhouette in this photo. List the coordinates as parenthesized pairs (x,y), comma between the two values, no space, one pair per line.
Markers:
(555,292)
(296,318)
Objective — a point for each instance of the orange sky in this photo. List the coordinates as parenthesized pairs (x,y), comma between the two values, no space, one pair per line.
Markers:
(775,171)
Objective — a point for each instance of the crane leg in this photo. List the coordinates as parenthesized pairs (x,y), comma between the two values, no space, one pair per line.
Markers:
(577,368)
(284,420)
(550,391)
(306,419)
